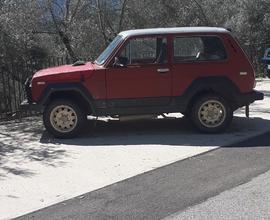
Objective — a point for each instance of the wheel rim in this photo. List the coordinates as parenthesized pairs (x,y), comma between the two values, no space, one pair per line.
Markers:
(63,118)
(212,113)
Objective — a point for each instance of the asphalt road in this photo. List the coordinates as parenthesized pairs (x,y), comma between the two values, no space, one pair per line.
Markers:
(248,201)
(172,189)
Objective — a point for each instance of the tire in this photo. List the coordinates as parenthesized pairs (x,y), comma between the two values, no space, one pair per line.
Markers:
(211,114)
(64,118)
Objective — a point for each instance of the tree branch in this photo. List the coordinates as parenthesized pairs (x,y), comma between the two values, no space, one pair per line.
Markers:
(122,15)
(75,11)
(207,22)
(101,24)
(64,37)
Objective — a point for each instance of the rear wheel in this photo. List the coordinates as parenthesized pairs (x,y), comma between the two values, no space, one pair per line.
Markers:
(64,118)
(211,114)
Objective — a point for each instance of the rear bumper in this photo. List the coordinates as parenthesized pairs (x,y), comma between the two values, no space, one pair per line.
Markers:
(28,106)
(248,98)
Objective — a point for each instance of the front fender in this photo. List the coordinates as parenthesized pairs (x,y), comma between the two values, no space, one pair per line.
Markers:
(68,88)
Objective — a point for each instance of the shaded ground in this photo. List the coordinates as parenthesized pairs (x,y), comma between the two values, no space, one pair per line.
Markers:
(25,141)
(16,148)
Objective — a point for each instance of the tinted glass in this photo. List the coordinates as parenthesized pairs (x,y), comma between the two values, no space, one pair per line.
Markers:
(145,51)
(206,48)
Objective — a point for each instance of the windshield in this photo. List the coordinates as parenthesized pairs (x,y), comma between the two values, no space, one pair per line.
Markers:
(106,53)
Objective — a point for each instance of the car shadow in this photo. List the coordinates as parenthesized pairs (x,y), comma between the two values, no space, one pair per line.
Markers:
(261,141)
(168,131)
(27,141)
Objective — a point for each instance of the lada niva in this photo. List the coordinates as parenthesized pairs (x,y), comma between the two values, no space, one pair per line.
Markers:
(201,72)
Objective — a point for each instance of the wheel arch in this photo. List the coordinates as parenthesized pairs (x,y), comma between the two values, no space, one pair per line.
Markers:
(221,86)
(73,92)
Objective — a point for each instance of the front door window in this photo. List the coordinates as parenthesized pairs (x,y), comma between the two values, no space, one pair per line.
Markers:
(144,51)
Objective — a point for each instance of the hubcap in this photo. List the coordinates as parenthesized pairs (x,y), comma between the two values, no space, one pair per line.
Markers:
(212,113)
(63,118)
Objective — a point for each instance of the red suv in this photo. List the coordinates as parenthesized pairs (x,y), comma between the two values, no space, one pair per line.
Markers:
(201,72)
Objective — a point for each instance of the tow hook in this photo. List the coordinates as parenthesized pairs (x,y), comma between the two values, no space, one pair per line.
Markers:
(247,111)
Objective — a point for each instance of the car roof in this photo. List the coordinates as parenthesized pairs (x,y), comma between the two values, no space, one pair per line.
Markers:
(174,30)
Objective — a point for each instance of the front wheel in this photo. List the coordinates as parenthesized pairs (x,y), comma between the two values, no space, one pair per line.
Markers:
(211,114)
(63,118)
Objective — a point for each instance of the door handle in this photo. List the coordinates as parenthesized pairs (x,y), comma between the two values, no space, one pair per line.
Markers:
(163,70)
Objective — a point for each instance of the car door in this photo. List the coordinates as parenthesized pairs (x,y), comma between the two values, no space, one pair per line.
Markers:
(144,77)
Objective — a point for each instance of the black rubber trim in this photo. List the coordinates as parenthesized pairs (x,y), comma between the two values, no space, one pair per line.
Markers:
(66,87)
(154,105)
(29,106)
(220,85)
(248,98)
(139,102)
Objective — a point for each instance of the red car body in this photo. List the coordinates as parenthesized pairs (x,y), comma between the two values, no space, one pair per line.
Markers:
(108,87)
(137,81)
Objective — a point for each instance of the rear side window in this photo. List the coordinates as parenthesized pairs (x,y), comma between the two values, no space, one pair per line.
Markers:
(201,48)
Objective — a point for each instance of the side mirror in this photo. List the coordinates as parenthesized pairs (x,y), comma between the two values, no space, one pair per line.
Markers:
(120,62)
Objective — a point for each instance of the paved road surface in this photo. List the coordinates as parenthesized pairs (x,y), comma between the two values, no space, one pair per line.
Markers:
(176,189)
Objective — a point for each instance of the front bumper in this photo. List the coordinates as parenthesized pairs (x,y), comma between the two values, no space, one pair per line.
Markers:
(28,106)
(248,98)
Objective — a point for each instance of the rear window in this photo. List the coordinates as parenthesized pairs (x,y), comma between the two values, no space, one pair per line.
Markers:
(201,48)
